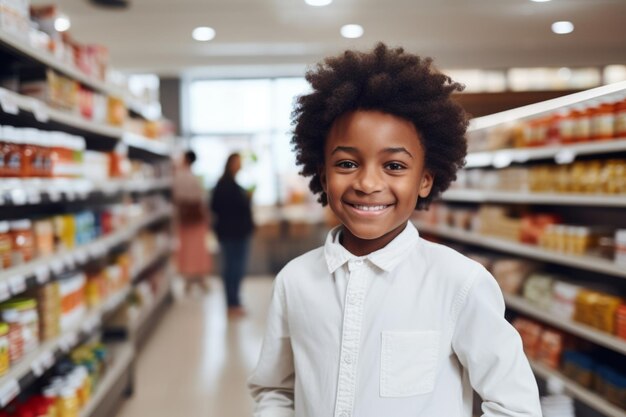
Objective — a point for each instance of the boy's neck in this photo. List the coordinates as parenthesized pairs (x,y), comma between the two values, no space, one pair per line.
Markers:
(363,247)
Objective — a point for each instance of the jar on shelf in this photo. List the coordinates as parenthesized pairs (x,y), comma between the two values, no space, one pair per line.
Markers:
(582,124)
(620,119)
(12,151)
(22,242)
(4,349)
(603,122)
(15,335)
(24,312)
(6,246)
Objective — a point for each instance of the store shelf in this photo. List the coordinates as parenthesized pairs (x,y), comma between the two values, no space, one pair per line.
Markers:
(145,315)
(563,199)
(588,263)
(607,340)
(16,280)
(161,255)
(580,393)
(504,157)
(12,103)
(142,143)
(20,192)
(45,356)
(611,91)
(21,47)
(123,357)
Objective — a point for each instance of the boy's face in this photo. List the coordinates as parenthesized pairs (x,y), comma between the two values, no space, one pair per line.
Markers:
(373,175)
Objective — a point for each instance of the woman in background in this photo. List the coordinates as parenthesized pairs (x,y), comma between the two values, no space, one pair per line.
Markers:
(192,220)
(231,205)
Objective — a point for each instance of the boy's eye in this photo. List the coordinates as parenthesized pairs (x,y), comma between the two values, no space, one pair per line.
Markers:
(346,164)
(395,166)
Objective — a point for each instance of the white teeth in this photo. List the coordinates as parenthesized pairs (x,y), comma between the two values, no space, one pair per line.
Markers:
(369,208)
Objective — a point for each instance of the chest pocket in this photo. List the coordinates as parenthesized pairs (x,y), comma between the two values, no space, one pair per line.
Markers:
(408,364)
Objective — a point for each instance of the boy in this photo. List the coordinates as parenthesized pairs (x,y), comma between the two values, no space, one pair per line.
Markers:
(379,322)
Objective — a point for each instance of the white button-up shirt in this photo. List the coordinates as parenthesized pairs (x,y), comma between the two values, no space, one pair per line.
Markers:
(405,331)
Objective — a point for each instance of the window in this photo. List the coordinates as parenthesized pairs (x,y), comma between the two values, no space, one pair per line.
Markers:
(252,117)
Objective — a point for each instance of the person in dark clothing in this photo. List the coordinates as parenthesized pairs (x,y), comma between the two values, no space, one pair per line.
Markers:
(233,226)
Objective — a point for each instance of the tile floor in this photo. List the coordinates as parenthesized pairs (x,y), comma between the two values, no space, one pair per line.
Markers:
(197,361)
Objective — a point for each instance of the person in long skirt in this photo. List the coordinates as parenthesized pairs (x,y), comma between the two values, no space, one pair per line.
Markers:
(192,223)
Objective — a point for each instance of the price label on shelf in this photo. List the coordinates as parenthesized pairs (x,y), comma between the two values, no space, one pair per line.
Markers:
(81,256)
(40,111)
(5,292)
(19,197)
(42,363)
(69,261)
(91,324)
(43,274)
(68,342)
(8,103)
(57,266)
(8,391)
(17,284)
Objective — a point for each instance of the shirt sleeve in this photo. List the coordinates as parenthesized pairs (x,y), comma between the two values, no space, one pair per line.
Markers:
(491,351)
(272,383)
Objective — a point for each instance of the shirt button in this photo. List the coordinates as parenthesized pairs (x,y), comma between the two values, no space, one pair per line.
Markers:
(348,359)
(359,262)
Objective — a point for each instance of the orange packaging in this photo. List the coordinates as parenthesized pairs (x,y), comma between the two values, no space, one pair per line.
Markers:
(620,119)
(603,122)
(620,317)
(530,333)
(550,348)
(566,127)
(582,125)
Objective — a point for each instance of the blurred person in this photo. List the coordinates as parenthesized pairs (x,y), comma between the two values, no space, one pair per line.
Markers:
(192,222)
(232,208)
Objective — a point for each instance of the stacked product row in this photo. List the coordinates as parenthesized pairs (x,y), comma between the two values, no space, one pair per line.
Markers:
(546,230)
(604,119)
(69,387)
(34,153)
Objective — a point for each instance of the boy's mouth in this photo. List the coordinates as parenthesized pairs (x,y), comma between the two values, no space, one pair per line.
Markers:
(370,207)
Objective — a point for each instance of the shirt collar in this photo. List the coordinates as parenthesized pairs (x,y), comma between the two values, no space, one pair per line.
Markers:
(386,258)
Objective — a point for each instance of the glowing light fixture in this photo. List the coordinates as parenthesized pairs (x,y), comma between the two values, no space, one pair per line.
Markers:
(352,31)
(318,3)
(563,27)
(62,23)
(203,33)
(540,1)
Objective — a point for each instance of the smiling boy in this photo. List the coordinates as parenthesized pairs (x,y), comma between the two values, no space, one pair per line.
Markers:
(379,322)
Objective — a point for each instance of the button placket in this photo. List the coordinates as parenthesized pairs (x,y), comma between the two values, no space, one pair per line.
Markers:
(350,340)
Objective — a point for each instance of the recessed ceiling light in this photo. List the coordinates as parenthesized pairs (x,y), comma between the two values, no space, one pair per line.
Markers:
(62,23)
(352,31)
(318,3)
(563,27)
(203,33)
(540,1)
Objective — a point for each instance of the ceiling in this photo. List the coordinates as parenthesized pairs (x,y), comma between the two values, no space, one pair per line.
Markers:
(264,37)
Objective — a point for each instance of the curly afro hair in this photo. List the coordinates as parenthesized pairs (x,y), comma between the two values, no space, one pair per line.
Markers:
(391,81)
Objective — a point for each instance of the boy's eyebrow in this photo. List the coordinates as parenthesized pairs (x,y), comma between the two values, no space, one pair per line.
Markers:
(397,150)
(353,150)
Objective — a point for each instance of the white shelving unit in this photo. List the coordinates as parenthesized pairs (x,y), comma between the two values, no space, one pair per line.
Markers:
(43,358)
(607,340)
(588,263)
(504,157)
(483,196)
(582,394)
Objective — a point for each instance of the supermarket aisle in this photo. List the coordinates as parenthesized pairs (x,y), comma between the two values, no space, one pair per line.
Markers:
(197,361)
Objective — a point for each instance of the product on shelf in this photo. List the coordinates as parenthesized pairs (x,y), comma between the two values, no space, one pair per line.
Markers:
(21,316)
(22,242)
(6,245)
(49,306)
(579,368)
(511,273)
(583,122)
(620,246)
(5,359)
(14,17)
(530,332)
(73,307)
(597,310)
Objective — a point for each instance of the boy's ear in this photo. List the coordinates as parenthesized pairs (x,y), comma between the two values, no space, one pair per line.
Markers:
(426,184)
(322,173)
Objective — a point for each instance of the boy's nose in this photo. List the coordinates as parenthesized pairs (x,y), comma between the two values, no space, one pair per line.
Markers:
(369,181)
